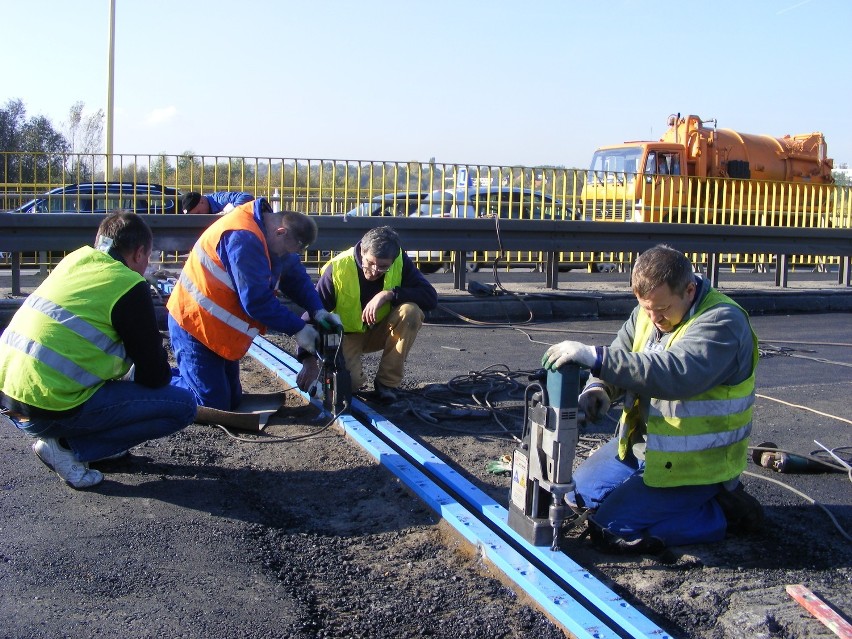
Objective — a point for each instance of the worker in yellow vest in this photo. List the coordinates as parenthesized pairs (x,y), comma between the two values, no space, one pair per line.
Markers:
(685,364)
(82,363)
(379,296)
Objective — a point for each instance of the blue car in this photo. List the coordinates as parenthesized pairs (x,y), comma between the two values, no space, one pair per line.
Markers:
(103,197)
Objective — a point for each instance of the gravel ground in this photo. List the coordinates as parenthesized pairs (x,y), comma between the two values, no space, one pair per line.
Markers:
(201,535)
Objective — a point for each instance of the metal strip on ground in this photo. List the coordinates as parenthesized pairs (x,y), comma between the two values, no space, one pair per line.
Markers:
(533,578)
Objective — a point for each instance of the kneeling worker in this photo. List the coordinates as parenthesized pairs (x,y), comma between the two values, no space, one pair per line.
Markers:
(83,369)
(380,297)
(685,362)
(226,296)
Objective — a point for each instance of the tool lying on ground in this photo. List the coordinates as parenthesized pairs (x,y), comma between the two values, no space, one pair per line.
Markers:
(769,455)
(821,610)
(251,415)
(543,461)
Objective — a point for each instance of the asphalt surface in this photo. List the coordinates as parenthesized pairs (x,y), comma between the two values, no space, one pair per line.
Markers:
(171,545)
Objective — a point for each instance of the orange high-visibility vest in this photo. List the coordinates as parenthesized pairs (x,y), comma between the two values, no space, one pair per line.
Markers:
(204,301)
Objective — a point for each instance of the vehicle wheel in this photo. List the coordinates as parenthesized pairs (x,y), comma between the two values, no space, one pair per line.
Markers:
(471,267)
(429,267)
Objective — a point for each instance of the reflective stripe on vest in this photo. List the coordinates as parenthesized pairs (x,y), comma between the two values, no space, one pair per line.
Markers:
(701,439)
(686,409)
(347,289)
(205,302)
(687,443)
(51,358)
(60,347)
(77,324)
(208,304)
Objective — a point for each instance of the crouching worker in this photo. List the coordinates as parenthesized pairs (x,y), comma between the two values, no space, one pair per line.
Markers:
(225,297)
(685,363)
(82,363)
(380,297)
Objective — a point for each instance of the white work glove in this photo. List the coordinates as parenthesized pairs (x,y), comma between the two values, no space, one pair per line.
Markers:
(307,338)
(328,320)
(594,401)
(228,208)
(564,352)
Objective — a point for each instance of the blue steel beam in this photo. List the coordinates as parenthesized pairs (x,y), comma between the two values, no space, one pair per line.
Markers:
(533,578)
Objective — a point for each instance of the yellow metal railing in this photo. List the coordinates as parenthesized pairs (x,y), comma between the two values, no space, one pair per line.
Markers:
(327,187)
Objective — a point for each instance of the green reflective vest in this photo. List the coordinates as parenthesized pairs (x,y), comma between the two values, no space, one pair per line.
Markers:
(347,289)
(696,440)
(61,346)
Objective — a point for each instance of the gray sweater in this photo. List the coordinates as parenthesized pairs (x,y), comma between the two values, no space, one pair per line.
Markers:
(716,349)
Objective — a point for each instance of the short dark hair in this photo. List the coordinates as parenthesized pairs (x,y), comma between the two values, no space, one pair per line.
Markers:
(303,227)
(661,264)
(189,201)
(381,242)
(127,231)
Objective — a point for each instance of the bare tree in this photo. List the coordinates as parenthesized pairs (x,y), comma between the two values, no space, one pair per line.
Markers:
(85,135)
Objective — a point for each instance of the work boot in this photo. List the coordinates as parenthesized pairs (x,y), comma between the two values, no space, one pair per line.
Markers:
(62,461)
(384,394)
(743,512)
(608,542)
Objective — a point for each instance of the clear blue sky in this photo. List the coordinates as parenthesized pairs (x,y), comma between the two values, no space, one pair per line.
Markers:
(463,81)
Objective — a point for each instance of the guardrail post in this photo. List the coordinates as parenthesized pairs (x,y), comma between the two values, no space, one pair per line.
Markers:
(459,270)
(16,273)
(713,269)
(781,261)
(845,271)
(551,270)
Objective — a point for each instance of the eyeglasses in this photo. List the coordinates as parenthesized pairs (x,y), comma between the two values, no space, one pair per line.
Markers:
(301,245)
(372,266)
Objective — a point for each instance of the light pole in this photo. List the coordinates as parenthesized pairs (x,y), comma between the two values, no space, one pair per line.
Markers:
(110,90)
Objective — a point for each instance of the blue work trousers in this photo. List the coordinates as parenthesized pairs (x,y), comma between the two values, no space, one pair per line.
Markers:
(120,415)
(214,380)
(628,508)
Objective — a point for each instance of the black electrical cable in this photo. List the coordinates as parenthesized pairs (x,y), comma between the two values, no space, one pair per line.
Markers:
(274,439)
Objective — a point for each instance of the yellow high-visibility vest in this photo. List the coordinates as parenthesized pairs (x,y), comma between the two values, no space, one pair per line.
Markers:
(695,440)
(347,289)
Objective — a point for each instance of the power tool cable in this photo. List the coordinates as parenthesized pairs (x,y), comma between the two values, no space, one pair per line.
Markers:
(806,497)
(266,438)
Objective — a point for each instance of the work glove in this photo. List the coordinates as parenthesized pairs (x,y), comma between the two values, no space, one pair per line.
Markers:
(309,374)
(565,352)
(329,321)
(594,401)
(307,338)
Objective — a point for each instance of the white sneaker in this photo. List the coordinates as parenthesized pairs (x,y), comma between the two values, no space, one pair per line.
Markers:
(62,461)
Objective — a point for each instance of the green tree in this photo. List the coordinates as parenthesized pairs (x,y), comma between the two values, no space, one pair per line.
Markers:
(161,171)
(840,178)
(34,151)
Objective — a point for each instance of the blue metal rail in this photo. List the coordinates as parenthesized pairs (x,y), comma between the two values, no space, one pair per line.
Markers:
(566,591)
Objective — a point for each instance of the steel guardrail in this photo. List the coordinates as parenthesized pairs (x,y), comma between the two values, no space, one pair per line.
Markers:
(20,232)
